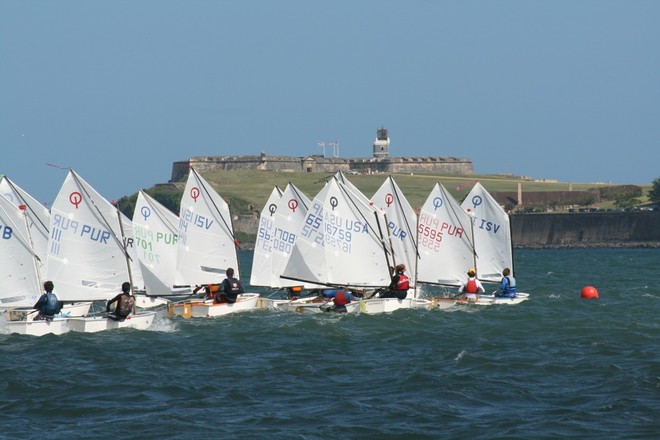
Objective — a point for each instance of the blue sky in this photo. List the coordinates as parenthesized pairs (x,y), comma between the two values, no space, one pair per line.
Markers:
(118,90)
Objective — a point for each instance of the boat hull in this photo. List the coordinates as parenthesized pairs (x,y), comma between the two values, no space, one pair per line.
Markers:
(387,305)
(482,300)
(204,309)
(148,302)
(22,321)
(307,305)
(368,306)
(57,326)
(489,300)
(93,324)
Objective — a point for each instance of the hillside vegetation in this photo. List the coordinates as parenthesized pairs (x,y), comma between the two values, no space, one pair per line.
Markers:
(248,190)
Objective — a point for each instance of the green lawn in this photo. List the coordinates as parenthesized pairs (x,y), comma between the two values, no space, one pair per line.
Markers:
(254,187)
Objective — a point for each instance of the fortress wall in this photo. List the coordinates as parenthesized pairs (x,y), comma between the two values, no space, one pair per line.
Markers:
(423,165)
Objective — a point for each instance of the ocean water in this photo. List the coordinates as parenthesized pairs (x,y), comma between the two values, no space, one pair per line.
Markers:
(555,366)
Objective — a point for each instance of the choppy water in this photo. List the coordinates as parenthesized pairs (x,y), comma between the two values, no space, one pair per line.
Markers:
(555,366)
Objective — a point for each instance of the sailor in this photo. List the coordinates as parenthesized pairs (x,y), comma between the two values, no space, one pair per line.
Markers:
(342,297)
(399,284)
(507,285)
(472,286)
(48,304)
(229,289)
(123,304)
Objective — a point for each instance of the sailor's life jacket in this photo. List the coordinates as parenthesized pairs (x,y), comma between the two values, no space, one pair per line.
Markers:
(125,306)
(231,288)
(471,286)
(341,299)
(52,305)
(403,283)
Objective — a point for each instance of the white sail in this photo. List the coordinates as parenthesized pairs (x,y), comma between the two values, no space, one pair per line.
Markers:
(401,224)
(289,218)
(262,262)
(37,215)
(341,177)
(206,246)
(155,228)
(87,257)
(20,285)
(444,240)
(492,234)
(340,242)
(129,245)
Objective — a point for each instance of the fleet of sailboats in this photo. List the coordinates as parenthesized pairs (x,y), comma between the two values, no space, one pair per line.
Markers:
(338,241)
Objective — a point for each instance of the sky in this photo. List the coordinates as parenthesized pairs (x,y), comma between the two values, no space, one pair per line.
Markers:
(119,90)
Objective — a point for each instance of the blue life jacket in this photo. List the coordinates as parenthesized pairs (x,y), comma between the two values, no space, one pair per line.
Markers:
(508,287)
(52,305)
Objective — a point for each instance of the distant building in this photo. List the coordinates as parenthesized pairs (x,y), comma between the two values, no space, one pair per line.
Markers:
(381,162)
(382,143)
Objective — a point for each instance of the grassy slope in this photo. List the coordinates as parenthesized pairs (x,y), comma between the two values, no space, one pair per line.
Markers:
(254,187)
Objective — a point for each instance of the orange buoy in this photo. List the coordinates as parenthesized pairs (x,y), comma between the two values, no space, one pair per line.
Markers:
(588,292)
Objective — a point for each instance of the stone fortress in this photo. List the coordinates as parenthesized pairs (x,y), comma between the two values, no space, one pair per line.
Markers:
(380,162)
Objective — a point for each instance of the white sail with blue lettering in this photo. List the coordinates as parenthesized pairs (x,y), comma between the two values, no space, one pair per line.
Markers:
(340,242)
(401,224)
(206,245)
(289,218)
(262,273)
(492,234)
(444,238)
(87,250)
(155,229)
(19,264)
(36,214)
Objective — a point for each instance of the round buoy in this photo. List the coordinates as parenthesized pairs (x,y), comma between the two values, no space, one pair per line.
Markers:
(588,292)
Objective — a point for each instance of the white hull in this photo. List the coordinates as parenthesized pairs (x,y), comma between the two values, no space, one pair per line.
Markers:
(93,324)
(387,305)
(206,309)
(57,326)
(489,300)
(26,325)
(271,303)
(482,300)
(306,305)
(368,306)
(281,302)
(148,302)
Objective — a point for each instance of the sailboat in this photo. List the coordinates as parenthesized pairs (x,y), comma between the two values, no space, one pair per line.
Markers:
(206,247)
(492,241)
(88,256)
(262,273)
(401,223)
(19,276)
(342,244)
(22,269)
(281,219)
(445,242)
(155,229)
(36,215)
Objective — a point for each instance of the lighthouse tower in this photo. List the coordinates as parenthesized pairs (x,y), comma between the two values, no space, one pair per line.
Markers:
(382,143)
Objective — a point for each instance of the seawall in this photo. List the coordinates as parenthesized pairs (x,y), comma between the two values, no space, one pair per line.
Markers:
(575,230)
(595,229)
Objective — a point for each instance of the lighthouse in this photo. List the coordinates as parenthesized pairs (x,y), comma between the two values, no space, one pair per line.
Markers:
(382,143)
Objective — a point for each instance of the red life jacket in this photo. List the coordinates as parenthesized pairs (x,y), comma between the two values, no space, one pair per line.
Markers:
(403,283)
(340,298)
(471,286)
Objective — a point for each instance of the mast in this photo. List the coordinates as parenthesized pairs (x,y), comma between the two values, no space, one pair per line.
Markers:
(35,257)
(128,258)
